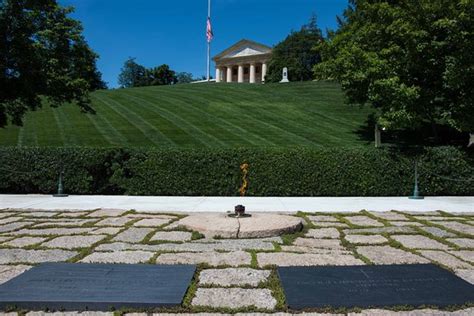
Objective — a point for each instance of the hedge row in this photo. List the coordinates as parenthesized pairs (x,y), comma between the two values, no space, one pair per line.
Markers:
(272,172)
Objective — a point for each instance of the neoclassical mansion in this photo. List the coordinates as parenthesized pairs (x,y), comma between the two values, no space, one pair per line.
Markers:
(245,61)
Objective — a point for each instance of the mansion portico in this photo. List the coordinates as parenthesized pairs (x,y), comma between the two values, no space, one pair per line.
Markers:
(245,61)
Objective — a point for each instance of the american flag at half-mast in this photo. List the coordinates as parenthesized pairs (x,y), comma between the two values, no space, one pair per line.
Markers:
(209,33)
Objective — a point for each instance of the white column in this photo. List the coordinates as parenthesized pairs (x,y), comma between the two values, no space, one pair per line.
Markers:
(229,74)
(252,73)
(241,74)
(218,74)
(264,71)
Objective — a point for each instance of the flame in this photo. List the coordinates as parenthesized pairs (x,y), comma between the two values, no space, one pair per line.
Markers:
(245,170)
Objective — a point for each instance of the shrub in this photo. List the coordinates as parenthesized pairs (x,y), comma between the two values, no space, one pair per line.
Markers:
(216,172)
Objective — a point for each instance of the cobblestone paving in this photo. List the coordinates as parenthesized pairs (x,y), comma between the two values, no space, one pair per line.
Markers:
(238,273)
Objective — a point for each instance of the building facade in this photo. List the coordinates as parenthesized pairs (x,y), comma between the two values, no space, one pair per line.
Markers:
(245,61)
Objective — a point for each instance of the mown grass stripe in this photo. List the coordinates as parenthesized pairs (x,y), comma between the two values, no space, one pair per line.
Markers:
(66,134)
(211,115)
(184,106)
(148,130)
(108,131)
(207,139)
(246,135)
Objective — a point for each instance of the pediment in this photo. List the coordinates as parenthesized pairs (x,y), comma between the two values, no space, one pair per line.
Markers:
(245,51)
(244,48)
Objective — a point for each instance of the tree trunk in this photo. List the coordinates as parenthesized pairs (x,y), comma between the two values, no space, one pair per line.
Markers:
(471,140)
(435,132)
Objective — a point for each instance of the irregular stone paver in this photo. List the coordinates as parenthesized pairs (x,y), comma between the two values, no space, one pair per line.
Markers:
(389,255)
(14,226)
(429,213)
(82,313)
(322,218)
(302,249)
(418,312)
(390,216)
(114,221)
(418,242)
(53,231)
(107,212)
(361,220)
(6,214)
(463,228)
(331,224)
(233,276)
(9,272)
(63,224)
(445,259)
(323,233)
(152,222)
(38,214)
(462,242)
(133,235)
(234,259)
(220,245)
(24,241)
(4,238)
(73,214)
(106,231)
(71,242)
(466,255)
(172,236)
(381,230)
(366,239)
(149,215)
(119,246)
(404,223)
(234,298)
(466,274)
(130,257)
(318,243)
(305,259)
(34,256)
(438,218)
(10,220)
(438,232)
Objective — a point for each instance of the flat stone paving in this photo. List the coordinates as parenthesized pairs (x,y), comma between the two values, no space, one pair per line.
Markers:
(236,273)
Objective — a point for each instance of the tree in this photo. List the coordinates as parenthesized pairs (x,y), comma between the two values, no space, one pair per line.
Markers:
(162,75)
(411,60)
(133,75)
(297,53)
(86,66)
(42,54)
(184,77)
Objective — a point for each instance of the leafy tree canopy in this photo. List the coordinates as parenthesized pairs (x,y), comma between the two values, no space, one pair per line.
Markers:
(297,53)
(42,54)
(132,74)
(161,75)
(411,60)
(184,77)
(136,75)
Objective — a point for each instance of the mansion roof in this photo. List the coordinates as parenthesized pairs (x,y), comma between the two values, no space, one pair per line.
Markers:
(244,49)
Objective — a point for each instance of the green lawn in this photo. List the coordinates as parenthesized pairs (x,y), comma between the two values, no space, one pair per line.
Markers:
(201,115)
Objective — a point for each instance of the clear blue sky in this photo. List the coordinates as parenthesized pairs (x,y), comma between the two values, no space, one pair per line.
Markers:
(173,32)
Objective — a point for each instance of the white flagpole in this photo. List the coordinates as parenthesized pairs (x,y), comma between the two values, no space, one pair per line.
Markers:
(209,45)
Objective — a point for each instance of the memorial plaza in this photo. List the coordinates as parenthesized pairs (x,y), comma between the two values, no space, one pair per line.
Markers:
(238,274)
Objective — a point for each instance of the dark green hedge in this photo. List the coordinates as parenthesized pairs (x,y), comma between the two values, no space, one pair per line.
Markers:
(273,172)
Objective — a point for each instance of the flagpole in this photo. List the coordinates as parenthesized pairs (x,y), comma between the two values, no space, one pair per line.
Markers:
(209,45)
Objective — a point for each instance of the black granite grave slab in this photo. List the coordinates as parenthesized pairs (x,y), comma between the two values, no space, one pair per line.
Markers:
(373,286)
(99,287)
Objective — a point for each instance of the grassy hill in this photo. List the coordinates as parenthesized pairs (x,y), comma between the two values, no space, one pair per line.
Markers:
(219,115)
